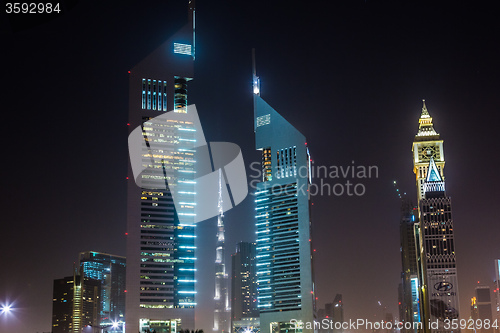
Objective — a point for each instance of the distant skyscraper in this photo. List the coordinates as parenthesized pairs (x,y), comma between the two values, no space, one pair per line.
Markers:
(110,271)
(338,310)
(435,236)
(243,286)
(62,305)
(483,305)
(333,313)
(221,295)
(75,304)
(161,249)
(284,255)
(409,294)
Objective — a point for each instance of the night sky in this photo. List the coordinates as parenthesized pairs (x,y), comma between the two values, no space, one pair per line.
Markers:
(350,75)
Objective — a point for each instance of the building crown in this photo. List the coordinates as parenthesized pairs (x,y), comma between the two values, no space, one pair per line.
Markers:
(426,127)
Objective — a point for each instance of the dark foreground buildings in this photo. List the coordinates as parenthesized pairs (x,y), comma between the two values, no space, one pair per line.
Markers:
(76,304)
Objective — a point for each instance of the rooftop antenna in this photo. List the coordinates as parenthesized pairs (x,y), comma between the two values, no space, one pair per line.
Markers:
(256,80)
(192,20)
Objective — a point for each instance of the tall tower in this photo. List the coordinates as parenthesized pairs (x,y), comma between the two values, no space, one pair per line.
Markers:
(161,245)
(409,300)
(244,311)
(284,255)
(221,297)
(427,145)
(434,233)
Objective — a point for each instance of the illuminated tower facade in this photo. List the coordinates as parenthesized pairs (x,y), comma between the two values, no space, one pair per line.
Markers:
(109,270)
(221,296)
(409,294)
(160,248)
(284,255)
(244,311)
(76,304)
(427,145)
(436,257)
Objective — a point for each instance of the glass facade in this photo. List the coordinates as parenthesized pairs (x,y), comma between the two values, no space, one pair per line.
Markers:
(278,262)
(110,271)
(160,238)
(167,235)
(282,216)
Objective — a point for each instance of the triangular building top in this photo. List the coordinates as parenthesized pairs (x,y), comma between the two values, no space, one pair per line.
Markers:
(434,183)
(433,174)
(426,128)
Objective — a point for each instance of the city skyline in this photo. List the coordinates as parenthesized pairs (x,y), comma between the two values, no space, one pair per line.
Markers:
(376,68)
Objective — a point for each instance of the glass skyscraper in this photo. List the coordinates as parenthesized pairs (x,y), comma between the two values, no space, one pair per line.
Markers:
(409,295)
(244,311)
(161,239)
(282,214)
(110,271)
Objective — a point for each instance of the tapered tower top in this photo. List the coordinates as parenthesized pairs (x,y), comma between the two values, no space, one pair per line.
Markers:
(426,129)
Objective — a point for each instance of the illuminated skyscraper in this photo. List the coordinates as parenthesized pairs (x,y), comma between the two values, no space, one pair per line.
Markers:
(76,304)
(110,271)
(436,248)
(284,255)
(160,249)
(221,296)
(244,311)
(409,298)
(483,306)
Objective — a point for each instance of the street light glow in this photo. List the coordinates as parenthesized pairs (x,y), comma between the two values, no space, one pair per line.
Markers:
(6,308)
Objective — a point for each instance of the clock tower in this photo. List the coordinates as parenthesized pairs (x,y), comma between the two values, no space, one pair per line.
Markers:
(427,145)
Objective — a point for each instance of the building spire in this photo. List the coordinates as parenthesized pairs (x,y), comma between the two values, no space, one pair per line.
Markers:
(221,296)
(192,20)
(426,128)
(256,80)
(220,202)
(425,113)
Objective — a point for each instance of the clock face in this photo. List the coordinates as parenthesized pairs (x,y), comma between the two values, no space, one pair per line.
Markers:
(426,152)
